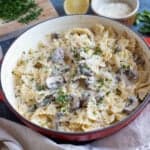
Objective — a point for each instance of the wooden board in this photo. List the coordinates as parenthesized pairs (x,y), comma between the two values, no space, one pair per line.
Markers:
(13,26)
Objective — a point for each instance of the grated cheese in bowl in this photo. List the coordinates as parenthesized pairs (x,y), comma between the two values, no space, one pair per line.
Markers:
(115,9)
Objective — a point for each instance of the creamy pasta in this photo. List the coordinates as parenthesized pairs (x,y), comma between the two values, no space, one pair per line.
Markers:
(81,79)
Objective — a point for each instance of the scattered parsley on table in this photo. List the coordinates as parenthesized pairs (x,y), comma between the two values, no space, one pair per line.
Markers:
(24,11)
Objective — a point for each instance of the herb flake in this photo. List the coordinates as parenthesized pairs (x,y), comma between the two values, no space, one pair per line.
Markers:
(62,98)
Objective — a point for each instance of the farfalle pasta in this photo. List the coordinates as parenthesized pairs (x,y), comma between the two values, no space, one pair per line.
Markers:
(80,80)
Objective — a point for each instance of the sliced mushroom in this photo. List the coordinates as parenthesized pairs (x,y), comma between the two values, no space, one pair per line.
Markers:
(47,100)
(32,108)
(84,70)
(84,103)
(86,94)
(58,55)
(131,74)
(117,49)
(56,120)
(131,104)
(81,82)
(74,103)
(99,95)
(138,59)
(55,35)
(68,57)
(127,82)
(38,65)
(54,82)
(118,77)
(127,75)
(59,69)
(85,98)
(90,82)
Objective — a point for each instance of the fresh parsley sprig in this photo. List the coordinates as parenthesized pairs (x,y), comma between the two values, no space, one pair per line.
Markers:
(22,10)
(144,18)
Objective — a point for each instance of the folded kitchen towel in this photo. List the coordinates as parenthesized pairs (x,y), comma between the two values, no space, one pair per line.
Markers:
(136,136)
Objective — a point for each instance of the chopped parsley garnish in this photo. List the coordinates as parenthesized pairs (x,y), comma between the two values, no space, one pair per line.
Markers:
(31,15)
(97,50)
(108,93)
(22,10)
(101,82)
(76,55)
(118,92)
(49,58)
(125,66)
(85,66)
(63,109)
(100,100)
(40,87)
(86,49)
(62,98)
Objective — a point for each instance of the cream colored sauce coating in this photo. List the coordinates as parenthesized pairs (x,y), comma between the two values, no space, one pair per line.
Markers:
(115,10)
(81,79)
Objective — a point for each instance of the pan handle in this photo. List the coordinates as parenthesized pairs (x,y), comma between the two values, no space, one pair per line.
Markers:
(147,40)
(1,96)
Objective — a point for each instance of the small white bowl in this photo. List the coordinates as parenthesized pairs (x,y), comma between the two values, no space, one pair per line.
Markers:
(126,19)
